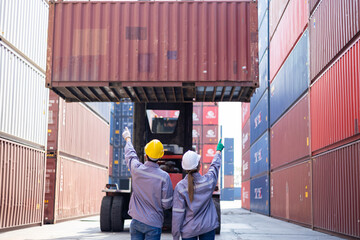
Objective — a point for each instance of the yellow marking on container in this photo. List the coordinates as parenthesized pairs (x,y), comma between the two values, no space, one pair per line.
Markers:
(49,130)
(116,162)
(305,187)
(46,201)
(117,103)
(266,118)
(307,141)
(117,132)
(37,206)
(306,194)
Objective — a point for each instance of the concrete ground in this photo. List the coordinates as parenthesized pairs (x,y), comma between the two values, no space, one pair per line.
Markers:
(237,224)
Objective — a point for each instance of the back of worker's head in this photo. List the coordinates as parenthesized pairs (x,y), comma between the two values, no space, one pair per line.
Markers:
(154,150)
(191,163)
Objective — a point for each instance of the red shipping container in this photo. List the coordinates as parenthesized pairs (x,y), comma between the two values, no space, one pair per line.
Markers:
(151,44)
(245,195)
(210,115)
(332,25)
(245,108)
(21,184)
(290,135)
(276,10)
(210,134)
(228,181)
(290,193)
(335,103)
(312,5)
(197,135)
(290,28)
(207,104)
(209,151)
(336,195)
(246,136)
(204,168)
(246,165)
(197,115)
(175,178)
(167,113)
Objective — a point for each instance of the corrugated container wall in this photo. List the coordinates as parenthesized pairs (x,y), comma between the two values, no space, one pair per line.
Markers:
(290,193)
(210,134)
(25,24)
(259,118)
(262,7)
(197,115)
(259,156)
(276,10)
(336,184)
(332,26)
(291,81)
(264,36)
(245,195)
(263,81)
(289,30)
(335,102)
(246,136)
(208,152)
(21,184)
(210,115)
(259,195)
(312,5)
(154,47)
(290,136)
(100,108)
(245,166)
(197,135)
(245,113)
(23,98)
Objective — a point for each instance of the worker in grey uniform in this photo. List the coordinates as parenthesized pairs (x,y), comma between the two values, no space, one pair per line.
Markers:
(152,190)
(194,214)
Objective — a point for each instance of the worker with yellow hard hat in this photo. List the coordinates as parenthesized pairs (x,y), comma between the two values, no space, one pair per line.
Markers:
(152,191)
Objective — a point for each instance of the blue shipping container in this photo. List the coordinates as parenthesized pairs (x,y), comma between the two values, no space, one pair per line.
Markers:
(262,7)
(263,81)
(259,156)
(101,108)
(229,150)
(264,36)
(229,168)
(259,195)
(237,193)
(259,118)
(227,194)
(124,109)
(291,81)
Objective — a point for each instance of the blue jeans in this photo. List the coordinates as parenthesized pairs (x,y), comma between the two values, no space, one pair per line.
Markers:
(141,231)
(206,236)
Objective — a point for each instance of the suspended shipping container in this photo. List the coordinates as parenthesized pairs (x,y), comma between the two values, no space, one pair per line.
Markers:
(259,195)
(259,118)
(332,25)
(246,136)
(245,111)
(24,24)
(290,135)
(336,184)
(149,56)
(335,102)
(291,81)
(264,36)
(210,115)
(259,156)
(245,166)
(276,10)
(291,26)
(290,193)
(23,99)
(21,184)
(197,115)
(245,194)
(262,8)
(263,82)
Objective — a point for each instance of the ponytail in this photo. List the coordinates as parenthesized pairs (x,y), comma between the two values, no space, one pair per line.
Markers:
(191,182)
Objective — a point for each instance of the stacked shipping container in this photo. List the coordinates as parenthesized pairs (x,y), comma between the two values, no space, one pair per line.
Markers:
(228,190)
(23,112)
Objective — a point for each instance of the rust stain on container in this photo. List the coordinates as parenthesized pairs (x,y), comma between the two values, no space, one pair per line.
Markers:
(335,103)
(332,25)
(289,137)
(21,184)
(290,193)
(123,49)
(336,184)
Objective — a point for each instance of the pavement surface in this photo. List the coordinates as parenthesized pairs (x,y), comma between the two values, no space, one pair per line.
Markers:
(237,224)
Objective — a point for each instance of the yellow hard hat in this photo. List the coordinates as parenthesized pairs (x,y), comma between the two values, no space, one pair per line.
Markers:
(154,149)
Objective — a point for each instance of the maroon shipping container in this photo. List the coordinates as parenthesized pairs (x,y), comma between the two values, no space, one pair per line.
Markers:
(210,115)
(246,165)
(276,10)
(197,137)
(290,193)
(22,184)
(245,110)
(332,26)
(197,115)
(289,139)
(246,136)
(104,51)
(210,134)
(78,131)
(204,168)
(208,154)
(336,184)
(335,103)
(245,195)
(228,181)
(290,28)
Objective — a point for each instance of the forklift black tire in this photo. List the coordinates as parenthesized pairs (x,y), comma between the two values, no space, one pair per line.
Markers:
(105,214)
(218,211)
(117,219)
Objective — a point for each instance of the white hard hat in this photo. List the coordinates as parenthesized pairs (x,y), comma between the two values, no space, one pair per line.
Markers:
(190,160)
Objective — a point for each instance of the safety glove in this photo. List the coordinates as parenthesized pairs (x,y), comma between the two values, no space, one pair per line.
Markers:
(126,134)
(220,146)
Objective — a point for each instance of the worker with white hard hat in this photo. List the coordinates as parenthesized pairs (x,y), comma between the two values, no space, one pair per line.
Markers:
(152,191)
(194,214)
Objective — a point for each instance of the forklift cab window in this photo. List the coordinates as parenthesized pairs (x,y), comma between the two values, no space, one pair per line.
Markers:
(162,121)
